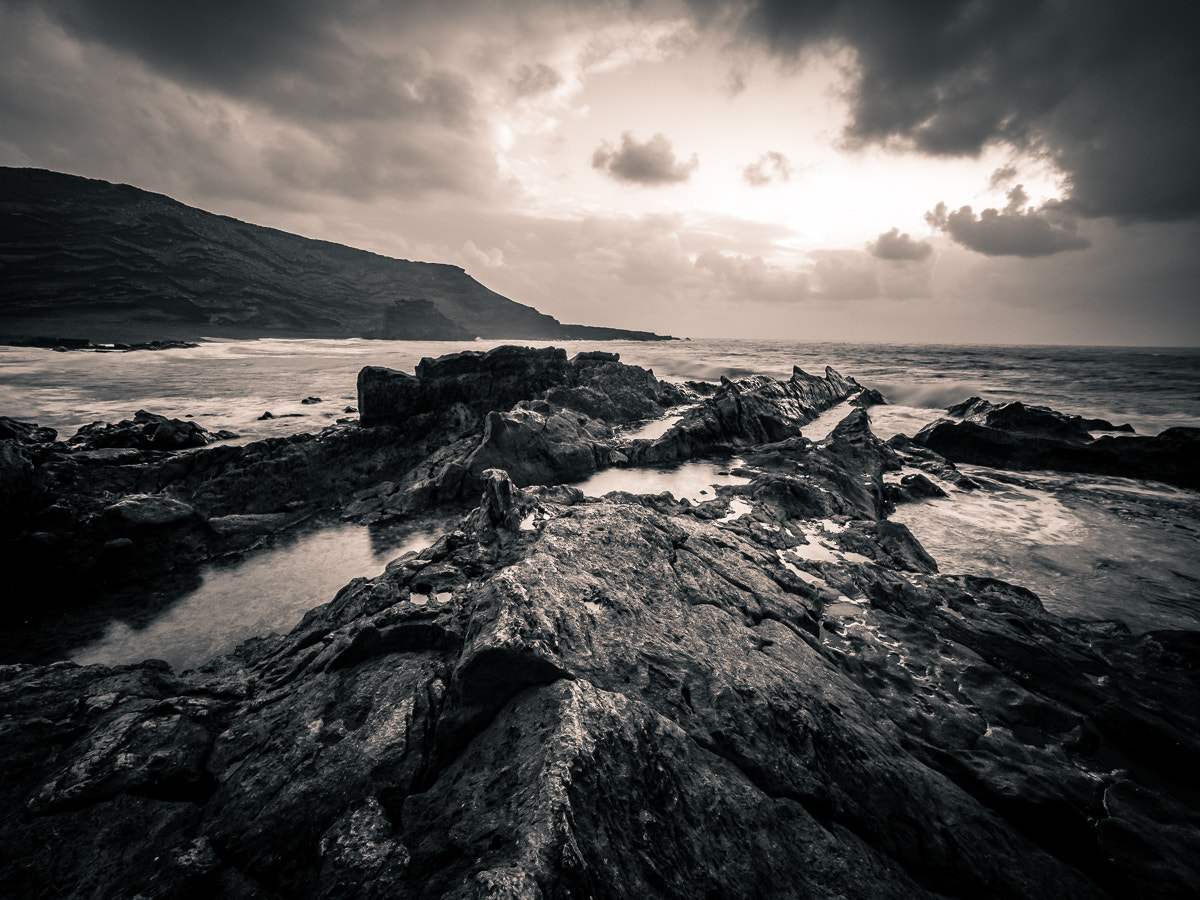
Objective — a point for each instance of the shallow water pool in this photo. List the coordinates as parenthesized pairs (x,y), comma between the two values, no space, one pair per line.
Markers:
(691,481)
(268,592)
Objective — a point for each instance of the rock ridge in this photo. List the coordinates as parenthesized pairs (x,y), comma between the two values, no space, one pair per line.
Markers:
(772,693)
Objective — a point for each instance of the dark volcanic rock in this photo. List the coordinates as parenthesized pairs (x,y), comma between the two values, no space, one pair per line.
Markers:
(539,448)
(627,697)
(628,701)
(752,410)
(480,382)
(25,432)
(602,387)
(1014,436)
(1034,420)
(145,431)
(596,384)
(60,343)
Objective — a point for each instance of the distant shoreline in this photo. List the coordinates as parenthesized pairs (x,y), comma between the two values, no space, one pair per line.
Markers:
(72,329)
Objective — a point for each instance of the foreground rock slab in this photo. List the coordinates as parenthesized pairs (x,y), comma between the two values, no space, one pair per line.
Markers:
(774,693)
(629,697)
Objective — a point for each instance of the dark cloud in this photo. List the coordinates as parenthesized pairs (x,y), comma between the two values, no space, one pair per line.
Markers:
(303,59)
(651,163)
(771,166)
(894,246)
(1012,231)
(1002,176)
(534,80)
(217,43)
(1105,90)
(94,111)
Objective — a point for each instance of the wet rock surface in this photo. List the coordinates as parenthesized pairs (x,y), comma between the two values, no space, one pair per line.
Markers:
(1016,436)
(145,431)
(773,693)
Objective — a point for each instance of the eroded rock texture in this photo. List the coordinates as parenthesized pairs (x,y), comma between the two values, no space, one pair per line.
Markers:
(1016,436)
(771,694)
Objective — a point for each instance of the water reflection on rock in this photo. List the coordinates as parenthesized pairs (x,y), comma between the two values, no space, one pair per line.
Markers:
(268,592)
(692,481)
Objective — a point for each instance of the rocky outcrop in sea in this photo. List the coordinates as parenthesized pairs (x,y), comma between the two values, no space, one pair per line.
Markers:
(1016,436)
(771,693)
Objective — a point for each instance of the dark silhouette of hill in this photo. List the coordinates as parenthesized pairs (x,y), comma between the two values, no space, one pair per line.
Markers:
(78,250)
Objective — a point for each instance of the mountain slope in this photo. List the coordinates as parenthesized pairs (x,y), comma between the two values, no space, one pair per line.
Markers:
(74,247)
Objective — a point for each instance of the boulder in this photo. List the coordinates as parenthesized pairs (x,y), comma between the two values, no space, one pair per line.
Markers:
(145,431)
(600,386)
(480,381)
(1033,420)
(148,511)
(753,410)
(1016,437)
(25,432)
(595,383)
(539,448)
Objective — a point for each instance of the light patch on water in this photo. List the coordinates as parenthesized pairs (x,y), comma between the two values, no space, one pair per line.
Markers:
(1012,511)
(268,592)
(1092,547)
(806,577)
(649,431)
(889,421)
(695,482)
(737,509)
(815,551)
(822,426)
(418,598)
(844,607)
(819,550)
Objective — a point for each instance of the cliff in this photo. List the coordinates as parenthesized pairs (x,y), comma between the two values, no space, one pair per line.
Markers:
(77,249)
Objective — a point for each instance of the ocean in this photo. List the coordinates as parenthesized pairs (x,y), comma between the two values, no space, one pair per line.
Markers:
(1091,547)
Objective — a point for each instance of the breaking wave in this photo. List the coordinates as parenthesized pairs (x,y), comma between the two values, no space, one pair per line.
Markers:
(927,396)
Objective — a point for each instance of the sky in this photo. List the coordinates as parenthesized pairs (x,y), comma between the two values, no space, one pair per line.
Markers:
(1025,171)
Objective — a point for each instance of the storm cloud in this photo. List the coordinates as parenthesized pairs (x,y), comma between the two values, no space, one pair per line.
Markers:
(1107,91)
(472,132)
(1012,231)
(650,163)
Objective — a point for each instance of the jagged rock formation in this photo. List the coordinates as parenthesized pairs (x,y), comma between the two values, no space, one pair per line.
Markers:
(1016,436)
(771,694)
(74,248)
(58,493)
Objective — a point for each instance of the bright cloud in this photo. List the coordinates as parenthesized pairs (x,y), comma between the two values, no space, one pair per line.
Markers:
(637,164)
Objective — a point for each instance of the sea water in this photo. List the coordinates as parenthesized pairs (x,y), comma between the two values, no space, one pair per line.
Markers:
(266,593)
(1089,547)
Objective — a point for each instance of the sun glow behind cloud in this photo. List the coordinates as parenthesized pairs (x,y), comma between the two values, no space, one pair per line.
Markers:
(650,163)
(832,197)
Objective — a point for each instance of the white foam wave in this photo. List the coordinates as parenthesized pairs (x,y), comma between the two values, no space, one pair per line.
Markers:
(936,395)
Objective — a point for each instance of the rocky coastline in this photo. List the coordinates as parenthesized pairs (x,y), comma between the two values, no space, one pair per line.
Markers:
(771,693)
(67,344)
